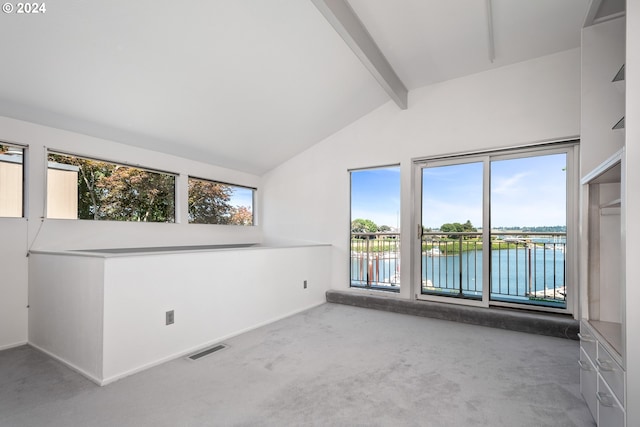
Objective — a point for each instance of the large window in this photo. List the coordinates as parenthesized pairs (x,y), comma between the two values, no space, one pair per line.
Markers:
(375,228)
(11,180)
(213,202)
(81,188)
(495,226)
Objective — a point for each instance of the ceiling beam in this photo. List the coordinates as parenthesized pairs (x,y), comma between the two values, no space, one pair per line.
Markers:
(345,21)
(491,45)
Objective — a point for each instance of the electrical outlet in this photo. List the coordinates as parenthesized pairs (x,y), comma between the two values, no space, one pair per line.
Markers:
(305,285)
(169,317)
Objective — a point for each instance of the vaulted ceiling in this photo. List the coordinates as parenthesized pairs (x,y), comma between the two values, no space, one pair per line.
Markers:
(247,84)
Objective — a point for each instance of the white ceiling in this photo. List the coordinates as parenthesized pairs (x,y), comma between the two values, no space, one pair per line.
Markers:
(247,84)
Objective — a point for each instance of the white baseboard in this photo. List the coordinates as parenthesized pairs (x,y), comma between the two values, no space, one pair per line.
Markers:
(8,346)
(195,348)
(69,365)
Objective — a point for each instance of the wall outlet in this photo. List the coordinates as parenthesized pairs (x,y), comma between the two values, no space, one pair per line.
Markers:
(169,318)
(305,285)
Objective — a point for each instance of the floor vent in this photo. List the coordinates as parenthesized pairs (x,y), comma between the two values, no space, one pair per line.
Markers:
(207,351)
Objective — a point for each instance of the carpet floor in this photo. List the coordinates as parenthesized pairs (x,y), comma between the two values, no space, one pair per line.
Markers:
(333,365)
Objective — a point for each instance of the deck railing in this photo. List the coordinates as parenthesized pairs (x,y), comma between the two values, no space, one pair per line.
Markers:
(375,260)
(525,267)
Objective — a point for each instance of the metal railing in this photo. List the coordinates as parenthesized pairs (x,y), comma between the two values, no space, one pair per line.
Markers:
(525,267)
(375,260)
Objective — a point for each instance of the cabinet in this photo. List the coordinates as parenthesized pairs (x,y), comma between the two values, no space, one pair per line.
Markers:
(602,378)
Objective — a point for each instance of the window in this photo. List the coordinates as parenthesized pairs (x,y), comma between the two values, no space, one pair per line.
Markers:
(213,202)
(495,226)
(11,180)
(375,228)
(81,188)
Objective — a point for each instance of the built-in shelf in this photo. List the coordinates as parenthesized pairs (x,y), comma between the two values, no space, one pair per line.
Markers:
(619,125)
(612,204)
(611,332)
(619,77)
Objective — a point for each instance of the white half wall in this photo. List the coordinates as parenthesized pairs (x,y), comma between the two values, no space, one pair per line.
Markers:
(307,198)
(105,315)
(214,295)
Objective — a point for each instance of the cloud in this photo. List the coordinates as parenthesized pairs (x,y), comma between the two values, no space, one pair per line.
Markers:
(509,185)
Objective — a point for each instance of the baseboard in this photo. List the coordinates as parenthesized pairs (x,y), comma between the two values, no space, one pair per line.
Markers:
(8,346)
(183,353)
(71,366)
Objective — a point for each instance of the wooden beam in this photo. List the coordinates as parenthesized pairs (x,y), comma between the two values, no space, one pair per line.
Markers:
(345,21)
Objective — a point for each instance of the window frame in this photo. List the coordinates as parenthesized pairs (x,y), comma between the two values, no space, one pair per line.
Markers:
(349,236)
(23,181)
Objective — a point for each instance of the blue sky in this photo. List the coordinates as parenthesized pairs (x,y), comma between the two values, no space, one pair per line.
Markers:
(375,195)
(241,196)
(524,192)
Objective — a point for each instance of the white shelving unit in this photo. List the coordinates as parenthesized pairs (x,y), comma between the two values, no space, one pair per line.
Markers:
(602,280)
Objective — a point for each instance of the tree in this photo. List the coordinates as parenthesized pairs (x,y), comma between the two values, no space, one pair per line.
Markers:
(363,226)
(131,194)
(456,227)
(384,229)
(468,227)
(241,215)
(209,202)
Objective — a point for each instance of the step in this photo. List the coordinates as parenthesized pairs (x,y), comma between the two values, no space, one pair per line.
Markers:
(551,324)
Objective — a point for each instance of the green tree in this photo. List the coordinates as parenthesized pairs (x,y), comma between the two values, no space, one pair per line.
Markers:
(468,227)
(363,226)
(456,227)
(384,229)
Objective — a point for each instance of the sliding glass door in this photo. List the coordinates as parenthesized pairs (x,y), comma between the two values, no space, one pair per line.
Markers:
(494,227)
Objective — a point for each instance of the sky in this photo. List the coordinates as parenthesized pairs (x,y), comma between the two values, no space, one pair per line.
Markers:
(524,192)
(241,196)
(375,195)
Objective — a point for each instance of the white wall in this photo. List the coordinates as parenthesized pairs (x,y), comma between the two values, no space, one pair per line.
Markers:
(13,282)
(307,198)
(632,200)
(66,309)
(19,235)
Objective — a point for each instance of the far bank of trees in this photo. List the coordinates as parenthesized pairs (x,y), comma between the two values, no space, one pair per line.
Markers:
(368,226)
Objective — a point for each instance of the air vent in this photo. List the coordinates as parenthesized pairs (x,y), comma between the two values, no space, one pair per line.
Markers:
(207,352)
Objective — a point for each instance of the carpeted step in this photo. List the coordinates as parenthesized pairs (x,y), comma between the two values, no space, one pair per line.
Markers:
(551,324)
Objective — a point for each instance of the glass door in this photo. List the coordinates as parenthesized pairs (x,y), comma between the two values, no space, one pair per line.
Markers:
(451,243)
